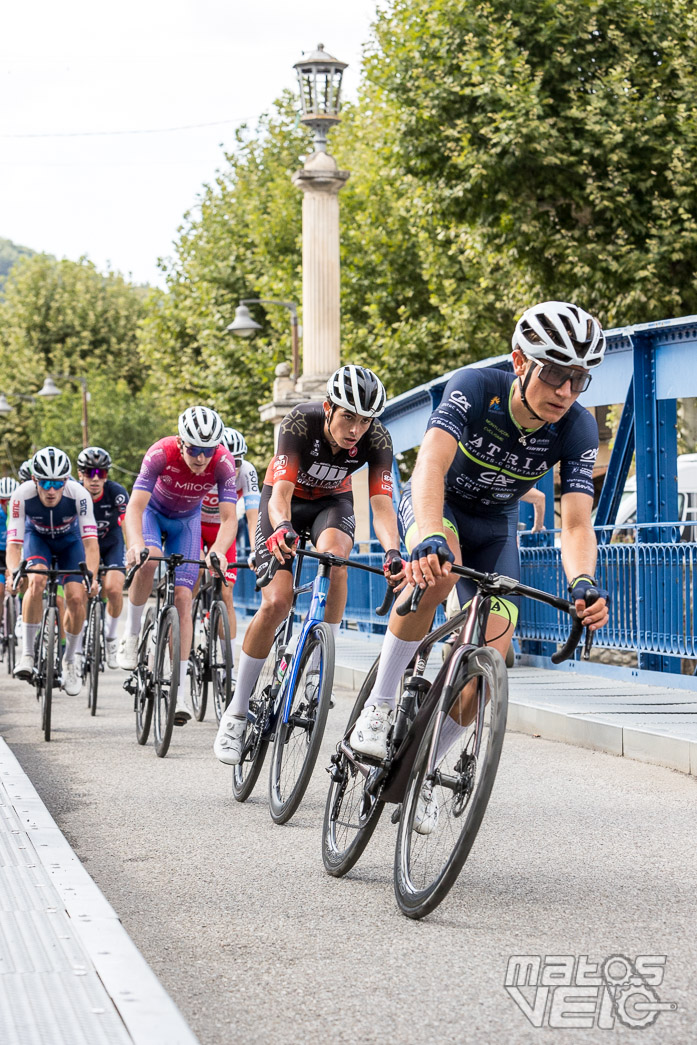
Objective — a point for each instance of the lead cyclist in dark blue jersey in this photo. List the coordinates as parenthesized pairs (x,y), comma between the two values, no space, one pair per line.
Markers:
(494,435)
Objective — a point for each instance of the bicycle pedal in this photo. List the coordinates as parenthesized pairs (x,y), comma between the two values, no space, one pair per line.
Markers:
(397,815)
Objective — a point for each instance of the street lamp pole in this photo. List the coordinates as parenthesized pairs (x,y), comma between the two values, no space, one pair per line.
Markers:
(244,326)
(50,389)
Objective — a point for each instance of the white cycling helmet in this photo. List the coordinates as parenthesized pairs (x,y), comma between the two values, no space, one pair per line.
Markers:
(8,485)
(357,389)
(201,426)
(50,463)
(24,471)
(235,442)
(557,332)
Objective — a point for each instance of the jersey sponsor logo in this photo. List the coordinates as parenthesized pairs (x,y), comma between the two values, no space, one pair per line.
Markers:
(495,404)
(15,509)
(120,498)
(280,464)
(327,472)
(447,426)
(315,448)
(496,479)
(459,400)
(83,507)
(353,451)
(590,455)
(387,479)
(166,479)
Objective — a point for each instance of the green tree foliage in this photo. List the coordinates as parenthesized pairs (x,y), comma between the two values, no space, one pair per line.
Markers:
(10,253)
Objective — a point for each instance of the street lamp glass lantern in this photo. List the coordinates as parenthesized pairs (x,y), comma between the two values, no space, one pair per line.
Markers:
(319,77)
(243,325)
(5,407)
(50,388)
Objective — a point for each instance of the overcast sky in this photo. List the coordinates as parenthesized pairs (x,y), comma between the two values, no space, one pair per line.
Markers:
(71,69)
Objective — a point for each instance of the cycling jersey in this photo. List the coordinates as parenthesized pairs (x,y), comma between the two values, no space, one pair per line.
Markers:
(3,528)
(304,457)
(72,515)
(497,461)
(176,490)
(109,509)
(247,486)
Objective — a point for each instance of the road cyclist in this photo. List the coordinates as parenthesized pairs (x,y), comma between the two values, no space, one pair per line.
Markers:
(493,436)
(24,471)
(109,500)
(51,521)
(307,486)
(8,639)
(247,496)
(165,508)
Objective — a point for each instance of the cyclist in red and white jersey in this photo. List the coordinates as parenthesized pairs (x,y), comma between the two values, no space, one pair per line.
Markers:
(247,496)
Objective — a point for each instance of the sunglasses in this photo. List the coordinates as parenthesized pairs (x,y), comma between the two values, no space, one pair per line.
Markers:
(51,484)
(196,451)
(555,376)
(95,473)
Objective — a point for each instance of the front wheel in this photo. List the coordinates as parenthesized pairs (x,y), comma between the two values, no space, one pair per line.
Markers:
(198,667)
(220,658)
(9,625)
(299,738)
(94,652)
(443,808)
(166,679)
(352,809)
(143,677)
(46,667)
(256,741)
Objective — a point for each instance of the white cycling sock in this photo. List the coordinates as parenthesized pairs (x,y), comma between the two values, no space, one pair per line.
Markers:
(29,632)
(133,618)
(248,671)
(112,624)
(334,629)
(450,731)
(184,688)
(396,654)
(73,645)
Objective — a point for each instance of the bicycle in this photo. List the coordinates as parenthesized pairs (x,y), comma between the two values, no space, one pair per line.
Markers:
(93,657)
(48,652)
(154,682)
(8,639)
(290,701)
(210,659)
(471,689)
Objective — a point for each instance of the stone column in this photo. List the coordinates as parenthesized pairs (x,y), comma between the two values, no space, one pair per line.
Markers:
(321,181)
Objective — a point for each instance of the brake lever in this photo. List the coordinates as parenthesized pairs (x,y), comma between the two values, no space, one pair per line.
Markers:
(591,597)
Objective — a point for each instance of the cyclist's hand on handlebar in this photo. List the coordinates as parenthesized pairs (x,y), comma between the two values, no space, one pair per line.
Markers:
(395,578)
(282,541)
(133,554)
(596,615)
(431,558)
(222,561)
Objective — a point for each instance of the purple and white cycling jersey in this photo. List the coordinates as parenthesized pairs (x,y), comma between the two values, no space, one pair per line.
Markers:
(176,490)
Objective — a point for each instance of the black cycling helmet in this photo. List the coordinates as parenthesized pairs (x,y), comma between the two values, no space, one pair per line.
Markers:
(93,457)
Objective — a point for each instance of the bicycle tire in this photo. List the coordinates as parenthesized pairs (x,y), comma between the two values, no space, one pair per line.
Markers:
(256,744)
(94,653)
(10,622)
(166,679)
(298,740)
(344,840)
(143,699)
(418,889)
(198,660)
(219,659)
(46,675)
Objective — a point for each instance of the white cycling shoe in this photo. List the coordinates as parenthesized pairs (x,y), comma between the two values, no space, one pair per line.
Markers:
(230,739)
(112,652)
(426,815)
(25,668)
(369,735)
(127,658)
(72,680)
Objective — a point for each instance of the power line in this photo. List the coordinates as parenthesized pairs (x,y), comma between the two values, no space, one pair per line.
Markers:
(104,134)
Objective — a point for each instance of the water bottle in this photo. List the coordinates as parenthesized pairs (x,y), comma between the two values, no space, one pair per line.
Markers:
(287,657)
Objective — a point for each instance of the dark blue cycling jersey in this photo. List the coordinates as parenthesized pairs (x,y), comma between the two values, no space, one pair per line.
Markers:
(109,508)
(496,460)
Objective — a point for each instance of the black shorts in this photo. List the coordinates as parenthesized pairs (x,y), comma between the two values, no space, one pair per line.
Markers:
(112,550)
(319,515)
(3,563)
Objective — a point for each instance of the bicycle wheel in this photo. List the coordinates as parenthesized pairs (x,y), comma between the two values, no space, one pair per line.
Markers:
(166,679)
(298,740)
(256,742)
(198,660)
(430,855)
(95,623)
(143,699)
(46,664)
(219,666)
(9,617)
(351,812)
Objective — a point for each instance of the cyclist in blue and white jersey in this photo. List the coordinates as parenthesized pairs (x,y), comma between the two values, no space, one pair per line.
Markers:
(109,500)
(248,498)
(51,519)
(494,435)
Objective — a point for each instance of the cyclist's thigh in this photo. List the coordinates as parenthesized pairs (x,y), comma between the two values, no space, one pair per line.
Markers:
(183,535)
(333,527)
(69,553)
(112,549)
(152,529)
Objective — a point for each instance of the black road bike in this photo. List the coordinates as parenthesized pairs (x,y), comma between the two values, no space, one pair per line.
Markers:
(8,639)
(94,649)
(442,788)
(210,661)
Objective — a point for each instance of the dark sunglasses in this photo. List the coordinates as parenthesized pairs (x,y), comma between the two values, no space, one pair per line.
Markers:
(555,376)
(196,451)
(51,484)
(95,473)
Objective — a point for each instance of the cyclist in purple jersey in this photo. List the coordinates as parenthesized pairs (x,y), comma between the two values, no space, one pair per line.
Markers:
(165,506)
(489,441)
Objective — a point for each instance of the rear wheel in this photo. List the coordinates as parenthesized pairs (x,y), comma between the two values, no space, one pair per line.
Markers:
(352,810)
(143,678)
(220,658)
(434,840)
(166,679)
(256,742)
(298,740)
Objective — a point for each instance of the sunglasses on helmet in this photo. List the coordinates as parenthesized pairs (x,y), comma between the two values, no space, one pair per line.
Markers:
(555,376)
(95,473)
(196,451)
(51,484)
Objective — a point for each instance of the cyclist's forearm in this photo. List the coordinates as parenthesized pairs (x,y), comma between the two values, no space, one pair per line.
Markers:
(227,532)
(280,503)
(13,557)
(385,522)
(428,500)
(579,551)
(252,516)
(91,545)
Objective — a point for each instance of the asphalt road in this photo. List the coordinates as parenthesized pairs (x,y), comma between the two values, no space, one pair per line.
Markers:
(580,854)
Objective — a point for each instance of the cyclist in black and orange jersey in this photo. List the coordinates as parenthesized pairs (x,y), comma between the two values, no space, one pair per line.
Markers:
(308,485)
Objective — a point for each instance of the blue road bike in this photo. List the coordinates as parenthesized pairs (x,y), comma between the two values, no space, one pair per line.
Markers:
(290,701)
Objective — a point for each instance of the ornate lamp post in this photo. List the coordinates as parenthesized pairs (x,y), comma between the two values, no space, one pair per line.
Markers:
(50,389)
(244,326)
